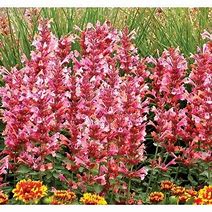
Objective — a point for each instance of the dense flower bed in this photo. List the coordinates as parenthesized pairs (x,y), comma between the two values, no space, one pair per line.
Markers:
(84,118)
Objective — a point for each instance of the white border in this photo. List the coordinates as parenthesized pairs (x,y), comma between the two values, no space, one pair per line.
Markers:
(105,3)
(111,208)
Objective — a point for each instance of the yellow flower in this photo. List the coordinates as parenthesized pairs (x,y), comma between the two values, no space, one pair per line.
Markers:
(63,197)
(156,197)
(92,199)
(204,196)
(29,191)
(3,198)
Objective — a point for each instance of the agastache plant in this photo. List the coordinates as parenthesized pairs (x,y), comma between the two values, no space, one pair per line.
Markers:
(35,101)
(106,118)
(168,90)
(182,118)
(199,105)
(98,102)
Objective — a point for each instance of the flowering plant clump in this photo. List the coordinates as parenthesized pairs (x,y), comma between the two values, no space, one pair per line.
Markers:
(92,199)
(35,101)
(199,102)
(204,196)
(182,126)
(175,194)
(106,119)
(63,197)
(29,191)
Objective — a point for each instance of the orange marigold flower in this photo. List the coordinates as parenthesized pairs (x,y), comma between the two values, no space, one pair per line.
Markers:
(178,190)
(166,185)
(184,198)
(63,197)
(156,197)
(191,192)
(204,196)
(3,198)
(29,191)
(92,199)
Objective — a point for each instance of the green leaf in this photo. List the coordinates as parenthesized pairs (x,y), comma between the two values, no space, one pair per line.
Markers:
(173,200)
(81,169)
(191,179)
(98,188)
(55,175)
(23,169)
(205,173)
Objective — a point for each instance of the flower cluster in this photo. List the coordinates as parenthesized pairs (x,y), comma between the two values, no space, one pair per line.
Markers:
(204,196)
(168,90)
(175,194)
(3,198)
(185,196)
(4,166)
(35,100)
(182,116)
(200,101)
(99,103)
(132,200)
(63,197)
(92,199)
(107,114)
(29,191)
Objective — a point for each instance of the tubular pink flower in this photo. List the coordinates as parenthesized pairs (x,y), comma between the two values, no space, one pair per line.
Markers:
(35,100)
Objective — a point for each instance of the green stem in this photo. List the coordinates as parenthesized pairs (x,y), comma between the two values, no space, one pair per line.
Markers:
(151,175)
(178,169)
(209,174)
(129,185)
(111,197)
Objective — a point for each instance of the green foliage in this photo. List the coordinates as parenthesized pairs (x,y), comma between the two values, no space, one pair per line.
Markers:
(156,29)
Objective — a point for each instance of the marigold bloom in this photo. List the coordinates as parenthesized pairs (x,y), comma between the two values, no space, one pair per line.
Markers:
(191,192)
(204,196)
(3,198)
(63,197)
(178,190)
(156,197)
(92,199)
(166,185)
(29,191)
(184,198)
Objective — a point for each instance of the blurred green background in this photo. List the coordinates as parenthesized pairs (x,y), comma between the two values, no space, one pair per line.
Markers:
(156,28)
